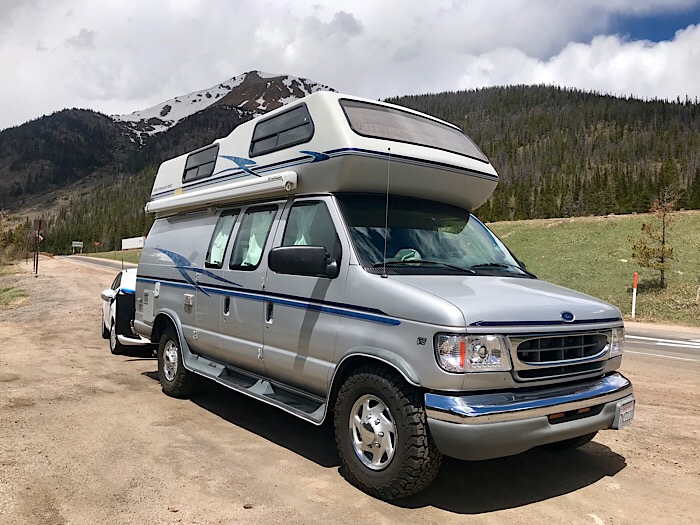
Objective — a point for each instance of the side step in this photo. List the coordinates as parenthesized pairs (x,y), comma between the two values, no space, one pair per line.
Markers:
(300,404)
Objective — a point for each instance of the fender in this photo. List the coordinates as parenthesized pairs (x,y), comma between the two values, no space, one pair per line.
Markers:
(187,355)
(385,356)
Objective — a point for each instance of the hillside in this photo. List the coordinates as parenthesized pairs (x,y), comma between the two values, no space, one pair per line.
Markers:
(55,151)
(593,255)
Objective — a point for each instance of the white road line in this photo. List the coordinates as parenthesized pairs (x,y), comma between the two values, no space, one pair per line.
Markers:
(658,340)
(695,340)
(661,356)
(680,345)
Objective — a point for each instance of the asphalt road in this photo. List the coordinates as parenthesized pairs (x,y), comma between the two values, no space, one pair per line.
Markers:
(95,261)
(656,344)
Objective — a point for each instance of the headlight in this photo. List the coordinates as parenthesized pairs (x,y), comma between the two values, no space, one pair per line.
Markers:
(472,353)
(617,344)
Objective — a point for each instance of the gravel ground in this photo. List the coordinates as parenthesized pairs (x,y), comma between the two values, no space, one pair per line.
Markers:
(88,438)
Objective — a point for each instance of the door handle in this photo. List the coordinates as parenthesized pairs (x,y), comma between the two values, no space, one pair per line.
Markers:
(268,312)
(227,305)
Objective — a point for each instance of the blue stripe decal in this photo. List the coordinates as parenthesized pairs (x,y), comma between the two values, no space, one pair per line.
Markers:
(304,305)
(545,323)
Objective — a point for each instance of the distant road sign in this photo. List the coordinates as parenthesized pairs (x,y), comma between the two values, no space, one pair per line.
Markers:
(76,244)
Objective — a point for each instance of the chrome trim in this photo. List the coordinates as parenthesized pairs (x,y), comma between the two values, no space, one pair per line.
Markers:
(512,406)
(133,341)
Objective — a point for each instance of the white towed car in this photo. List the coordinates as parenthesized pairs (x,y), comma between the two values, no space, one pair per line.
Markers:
(118,313)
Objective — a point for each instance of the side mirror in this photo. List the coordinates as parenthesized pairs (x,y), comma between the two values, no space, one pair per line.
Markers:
(108,294)
(311,261)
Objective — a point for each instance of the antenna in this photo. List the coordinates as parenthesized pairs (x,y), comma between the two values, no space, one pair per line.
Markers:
(386,212)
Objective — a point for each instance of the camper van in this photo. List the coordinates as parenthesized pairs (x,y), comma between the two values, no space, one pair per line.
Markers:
(324,259)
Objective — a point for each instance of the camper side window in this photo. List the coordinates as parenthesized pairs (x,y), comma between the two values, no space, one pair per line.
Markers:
(200,164)
(220,238)
(282,131)
(251,238)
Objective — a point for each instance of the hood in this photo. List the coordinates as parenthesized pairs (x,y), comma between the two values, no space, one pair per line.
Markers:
(488,301)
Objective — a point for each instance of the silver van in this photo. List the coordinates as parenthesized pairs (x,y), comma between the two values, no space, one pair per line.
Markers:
(324,259)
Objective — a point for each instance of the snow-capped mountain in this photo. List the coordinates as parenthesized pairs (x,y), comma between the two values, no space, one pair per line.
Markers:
(253,91)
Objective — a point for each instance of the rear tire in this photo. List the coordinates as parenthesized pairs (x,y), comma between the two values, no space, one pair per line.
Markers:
(569,444)
(382,435)
(174,379)
(114,345)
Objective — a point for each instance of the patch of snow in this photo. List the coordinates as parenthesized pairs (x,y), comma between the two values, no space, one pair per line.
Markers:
(196,101)
(286,100)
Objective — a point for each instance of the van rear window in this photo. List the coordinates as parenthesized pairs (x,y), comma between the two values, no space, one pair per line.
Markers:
(200,164)
(372,120)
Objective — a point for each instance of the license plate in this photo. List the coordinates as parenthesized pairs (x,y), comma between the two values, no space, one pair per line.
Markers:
(624,414)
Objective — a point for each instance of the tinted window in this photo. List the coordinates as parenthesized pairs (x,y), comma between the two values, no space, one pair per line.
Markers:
(220,238)
(200,164)
(117,281)
(371,120)
(251,238)
(310,224)
(281,131)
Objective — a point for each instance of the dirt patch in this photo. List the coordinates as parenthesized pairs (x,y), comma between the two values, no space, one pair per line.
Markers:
(88,437)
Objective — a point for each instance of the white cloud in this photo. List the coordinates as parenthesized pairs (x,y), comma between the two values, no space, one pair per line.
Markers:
(118,56)
(608,64)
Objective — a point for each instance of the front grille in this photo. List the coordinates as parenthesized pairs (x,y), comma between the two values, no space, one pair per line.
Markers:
(561,348)
(545,356)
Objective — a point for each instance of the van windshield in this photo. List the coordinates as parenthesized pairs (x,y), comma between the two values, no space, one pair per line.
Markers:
(423,237)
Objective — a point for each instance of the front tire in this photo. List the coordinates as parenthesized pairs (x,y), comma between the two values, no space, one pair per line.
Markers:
(382,435)
(174,379)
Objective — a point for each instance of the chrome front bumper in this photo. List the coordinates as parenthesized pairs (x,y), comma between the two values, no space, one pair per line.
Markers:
(489,425)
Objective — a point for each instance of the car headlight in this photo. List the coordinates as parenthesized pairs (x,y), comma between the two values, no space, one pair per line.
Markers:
(472,353)
(617,342)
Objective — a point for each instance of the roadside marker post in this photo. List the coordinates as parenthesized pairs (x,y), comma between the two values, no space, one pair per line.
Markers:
(634,294)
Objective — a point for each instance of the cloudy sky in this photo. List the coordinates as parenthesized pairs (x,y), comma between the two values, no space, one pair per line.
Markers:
(117,56)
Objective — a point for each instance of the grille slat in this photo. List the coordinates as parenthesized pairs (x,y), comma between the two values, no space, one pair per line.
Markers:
(545,356)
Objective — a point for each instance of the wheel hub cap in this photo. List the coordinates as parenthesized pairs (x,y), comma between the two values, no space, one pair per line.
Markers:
(170,361)
(373,432)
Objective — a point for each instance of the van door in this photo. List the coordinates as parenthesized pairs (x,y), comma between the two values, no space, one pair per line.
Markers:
(242,305)
(212,288)
(301,312)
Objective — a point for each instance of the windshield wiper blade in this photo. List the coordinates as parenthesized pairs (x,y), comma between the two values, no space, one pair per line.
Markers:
(504,265)
(424,261)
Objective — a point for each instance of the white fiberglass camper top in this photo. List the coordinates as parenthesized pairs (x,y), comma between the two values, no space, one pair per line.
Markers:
(328,142)
(323,259)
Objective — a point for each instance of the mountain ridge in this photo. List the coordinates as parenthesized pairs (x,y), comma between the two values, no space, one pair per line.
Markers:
(251,91)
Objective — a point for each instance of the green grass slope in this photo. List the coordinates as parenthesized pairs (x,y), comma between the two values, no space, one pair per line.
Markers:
(593,255)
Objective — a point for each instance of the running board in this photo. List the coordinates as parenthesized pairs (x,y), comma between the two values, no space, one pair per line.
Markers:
(297,403)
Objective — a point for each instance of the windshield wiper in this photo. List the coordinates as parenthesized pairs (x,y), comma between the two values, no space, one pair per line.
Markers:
(504,265)
(424,261)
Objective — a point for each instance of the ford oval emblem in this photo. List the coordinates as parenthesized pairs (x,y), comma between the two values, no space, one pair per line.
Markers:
(567,317)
